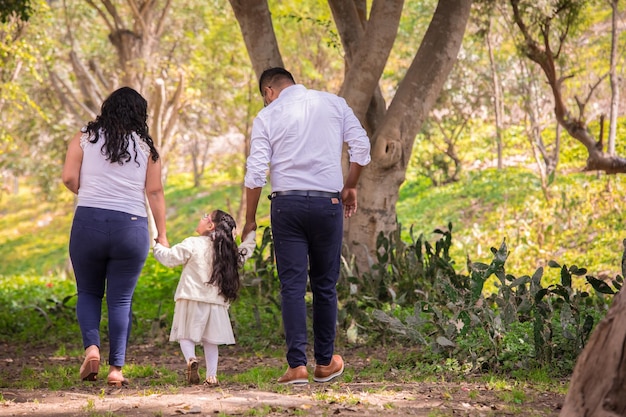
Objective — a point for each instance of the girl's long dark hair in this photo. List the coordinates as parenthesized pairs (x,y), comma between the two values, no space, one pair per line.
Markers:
(226,257)
(125,111)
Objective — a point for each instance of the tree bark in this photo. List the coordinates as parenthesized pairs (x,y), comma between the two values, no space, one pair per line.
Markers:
(598,384)
(368,53)
(614,77)
(255,22)
(498,102)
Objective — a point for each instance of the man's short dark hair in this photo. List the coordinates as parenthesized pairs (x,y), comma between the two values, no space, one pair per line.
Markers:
(271,75)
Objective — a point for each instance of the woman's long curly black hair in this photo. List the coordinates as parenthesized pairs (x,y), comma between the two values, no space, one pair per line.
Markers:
(125,111)
(226,257)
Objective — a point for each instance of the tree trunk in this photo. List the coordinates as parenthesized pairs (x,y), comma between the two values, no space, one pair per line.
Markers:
(598,384)
(392,131)
(255,22)
(498,102)
(392,143)
(614,77)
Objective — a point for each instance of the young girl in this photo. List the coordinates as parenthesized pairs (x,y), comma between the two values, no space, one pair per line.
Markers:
(208,284)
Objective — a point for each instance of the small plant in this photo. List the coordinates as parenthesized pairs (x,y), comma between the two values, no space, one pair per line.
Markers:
(90,406)
(454,317)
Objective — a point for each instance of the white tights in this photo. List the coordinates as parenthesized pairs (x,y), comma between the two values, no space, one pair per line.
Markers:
(211,354)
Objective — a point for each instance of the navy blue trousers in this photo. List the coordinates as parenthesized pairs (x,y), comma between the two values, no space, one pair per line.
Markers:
(307,234)
(108,250)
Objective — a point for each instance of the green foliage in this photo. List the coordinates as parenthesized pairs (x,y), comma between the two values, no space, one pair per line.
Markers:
(454,317)
(32,306)
(260,311)
(22,9)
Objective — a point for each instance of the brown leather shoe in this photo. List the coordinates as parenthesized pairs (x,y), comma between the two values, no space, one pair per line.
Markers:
(297,375)
(324,373)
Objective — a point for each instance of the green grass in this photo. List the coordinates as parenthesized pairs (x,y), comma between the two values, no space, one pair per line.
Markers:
(579,225)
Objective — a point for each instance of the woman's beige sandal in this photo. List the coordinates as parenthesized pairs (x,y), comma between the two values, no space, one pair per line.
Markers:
(91,365)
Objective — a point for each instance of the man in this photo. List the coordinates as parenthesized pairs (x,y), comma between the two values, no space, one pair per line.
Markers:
(300,134)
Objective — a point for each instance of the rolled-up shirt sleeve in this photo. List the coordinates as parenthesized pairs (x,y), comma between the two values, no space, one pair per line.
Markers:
(257,163)
(356,138)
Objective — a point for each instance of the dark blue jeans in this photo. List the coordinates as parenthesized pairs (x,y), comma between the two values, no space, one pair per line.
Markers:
(108,250)
(307,234)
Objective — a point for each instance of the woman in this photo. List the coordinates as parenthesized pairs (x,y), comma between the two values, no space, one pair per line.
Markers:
(112,165)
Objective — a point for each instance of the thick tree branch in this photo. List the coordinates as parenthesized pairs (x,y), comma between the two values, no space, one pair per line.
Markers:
(119,23)
(372,54)
(255,22)
(87,84)
(161,20)
(69,99)
(139,16)
(102,14)
(349,26)
(422,83)
(349,19)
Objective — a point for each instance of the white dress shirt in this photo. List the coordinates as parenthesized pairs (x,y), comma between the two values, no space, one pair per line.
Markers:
(300,135)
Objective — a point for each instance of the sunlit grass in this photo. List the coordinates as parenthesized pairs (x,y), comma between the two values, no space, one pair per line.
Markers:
(335,397)
(33,232)
(490,206)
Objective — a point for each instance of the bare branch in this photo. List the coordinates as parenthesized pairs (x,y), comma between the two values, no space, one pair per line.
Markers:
(102,14)
(119,23)
(86,83)
(69,99)
(93,66)
(68,26)
(138,16)
(582,104)
(161,21)
(173,106)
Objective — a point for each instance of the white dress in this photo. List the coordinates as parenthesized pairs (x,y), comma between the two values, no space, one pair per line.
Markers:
(202,322)
(201,312)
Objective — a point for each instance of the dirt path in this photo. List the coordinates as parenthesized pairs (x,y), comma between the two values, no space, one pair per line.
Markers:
(355,398)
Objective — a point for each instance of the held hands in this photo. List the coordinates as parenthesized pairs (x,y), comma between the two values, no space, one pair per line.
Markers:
(348,195)
(162,240)
(247,228)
